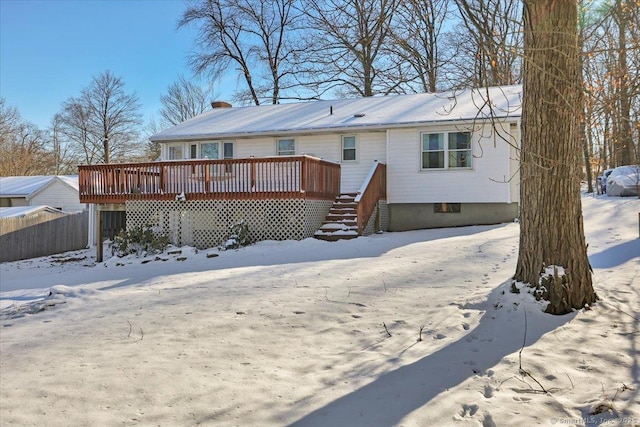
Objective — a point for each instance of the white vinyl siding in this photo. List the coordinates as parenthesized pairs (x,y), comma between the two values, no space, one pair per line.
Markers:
(490,180)
(486,182)
(371,146)
(58,195)
(514,163)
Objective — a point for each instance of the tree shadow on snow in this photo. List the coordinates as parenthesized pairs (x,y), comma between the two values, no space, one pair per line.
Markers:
(394,395)
(616,255)
(254,256)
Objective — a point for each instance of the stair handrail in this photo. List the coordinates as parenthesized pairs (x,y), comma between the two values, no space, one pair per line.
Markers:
(373,189)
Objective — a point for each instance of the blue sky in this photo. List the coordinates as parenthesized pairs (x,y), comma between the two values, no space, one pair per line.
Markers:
(49,50)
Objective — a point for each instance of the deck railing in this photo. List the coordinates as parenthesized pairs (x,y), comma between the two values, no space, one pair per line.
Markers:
(373,189)
(252,178)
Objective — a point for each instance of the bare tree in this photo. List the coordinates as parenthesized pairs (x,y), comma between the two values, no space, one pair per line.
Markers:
(65,160)
(103,122)
(184,99)
(113,115)
(611,63)
(9,120)
(346,47)
(625,16)
(255,37)
(551,225)
(23,149)
(416,36)
(73,127)
(490,40)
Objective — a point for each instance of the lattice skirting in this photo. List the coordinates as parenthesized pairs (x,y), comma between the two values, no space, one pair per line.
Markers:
(382,211)
(205,223)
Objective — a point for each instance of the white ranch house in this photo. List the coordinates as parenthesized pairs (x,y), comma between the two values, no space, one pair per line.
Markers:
(395,163)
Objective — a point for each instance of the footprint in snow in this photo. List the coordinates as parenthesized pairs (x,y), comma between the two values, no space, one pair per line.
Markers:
(488,391)
(469,410)
(488,421)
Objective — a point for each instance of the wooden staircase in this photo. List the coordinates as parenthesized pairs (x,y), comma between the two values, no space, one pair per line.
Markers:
(342,221)
(351,212)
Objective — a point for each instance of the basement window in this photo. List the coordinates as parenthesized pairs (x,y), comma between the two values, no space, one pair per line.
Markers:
(446,207)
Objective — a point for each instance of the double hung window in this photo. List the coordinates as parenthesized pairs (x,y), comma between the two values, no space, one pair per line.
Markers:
(349,148)
(446,150)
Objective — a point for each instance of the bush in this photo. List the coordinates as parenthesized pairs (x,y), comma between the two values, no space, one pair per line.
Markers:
(140,241)
(238,236)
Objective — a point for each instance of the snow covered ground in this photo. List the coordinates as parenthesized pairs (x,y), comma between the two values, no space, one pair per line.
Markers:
(315,333)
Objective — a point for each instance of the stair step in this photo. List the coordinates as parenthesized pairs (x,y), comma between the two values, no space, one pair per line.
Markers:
(341,215)
(335,237)
(341,222)
(349,221)
(347,196)
(345,205)
(331,227)
(335,210)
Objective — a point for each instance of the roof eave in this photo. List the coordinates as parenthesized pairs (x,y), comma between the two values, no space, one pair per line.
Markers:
(327,129)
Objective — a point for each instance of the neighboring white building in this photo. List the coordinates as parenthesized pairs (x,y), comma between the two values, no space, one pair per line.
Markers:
(28,211)
(451,157)
(57,191)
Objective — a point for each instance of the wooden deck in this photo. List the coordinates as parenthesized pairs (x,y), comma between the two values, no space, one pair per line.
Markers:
(290,177)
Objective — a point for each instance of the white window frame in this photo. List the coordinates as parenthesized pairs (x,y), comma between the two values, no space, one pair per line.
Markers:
(175,146)
(355,149)
(221,145)
(201,154)
(285,152)
(446,150)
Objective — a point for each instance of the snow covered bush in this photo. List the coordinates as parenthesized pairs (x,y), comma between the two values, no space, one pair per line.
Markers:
(238,236)
(138,240)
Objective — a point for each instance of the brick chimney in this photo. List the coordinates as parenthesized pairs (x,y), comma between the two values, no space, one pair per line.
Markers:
(220,104)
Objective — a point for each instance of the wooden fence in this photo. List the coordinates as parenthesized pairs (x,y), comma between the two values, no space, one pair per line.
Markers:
(41,235)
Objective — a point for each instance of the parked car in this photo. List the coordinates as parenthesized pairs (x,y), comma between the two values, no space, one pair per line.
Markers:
(624,181)
(601,181)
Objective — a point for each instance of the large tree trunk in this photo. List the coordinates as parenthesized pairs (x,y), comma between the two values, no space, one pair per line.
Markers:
(551,228)
(624,150)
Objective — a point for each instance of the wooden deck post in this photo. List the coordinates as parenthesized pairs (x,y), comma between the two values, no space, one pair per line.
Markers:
(99,253)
